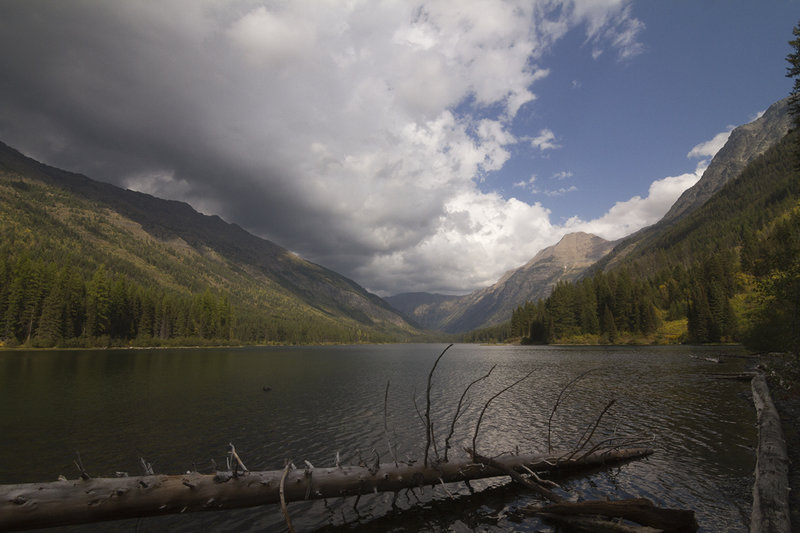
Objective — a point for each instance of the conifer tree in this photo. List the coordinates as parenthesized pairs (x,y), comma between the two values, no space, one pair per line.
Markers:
(793,71)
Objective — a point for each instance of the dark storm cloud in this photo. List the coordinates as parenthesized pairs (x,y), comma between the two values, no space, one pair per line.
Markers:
(327,128)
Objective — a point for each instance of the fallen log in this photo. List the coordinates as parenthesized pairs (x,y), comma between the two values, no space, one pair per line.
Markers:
(639,510)
(594,524)
(771,487)
(65,502)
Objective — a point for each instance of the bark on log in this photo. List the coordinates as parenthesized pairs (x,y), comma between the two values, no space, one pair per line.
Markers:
(771,488)
(593,524)
(639,510)
(37,505)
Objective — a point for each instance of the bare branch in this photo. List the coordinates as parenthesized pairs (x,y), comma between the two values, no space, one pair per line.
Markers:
(618,443)
(428,426)
(239,463)
(386,423)
(558,401)
(283,497)
(458,410)
(516,476)
(581,442)
(79,465)
(486,406)
(147,467)
(416,406)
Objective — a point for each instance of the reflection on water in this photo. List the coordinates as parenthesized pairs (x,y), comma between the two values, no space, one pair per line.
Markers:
(180,408)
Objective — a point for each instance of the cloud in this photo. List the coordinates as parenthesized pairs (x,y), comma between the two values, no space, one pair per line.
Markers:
(610,23)
(529,185)
(546,140)
(354,133)
(710,148)
(272,39)
(561,191)
(636,213)
(564,174)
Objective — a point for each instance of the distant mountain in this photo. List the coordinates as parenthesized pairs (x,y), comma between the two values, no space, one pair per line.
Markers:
(577,253)
(726,271)
(745,144)
(566,260)
(422,308)
(170,245)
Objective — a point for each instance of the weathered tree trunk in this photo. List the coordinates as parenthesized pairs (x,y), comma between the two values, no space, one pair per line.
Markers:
(36,505)
(639,510)
(771,487)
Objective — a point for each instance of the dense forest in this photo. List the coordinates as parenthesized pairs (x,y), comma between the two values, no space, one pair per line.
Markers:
(74,274)
(728,272)
(47,304)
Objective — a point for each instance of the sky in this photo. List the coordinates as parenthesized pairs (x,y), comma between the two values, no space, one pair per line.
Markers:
(411,146)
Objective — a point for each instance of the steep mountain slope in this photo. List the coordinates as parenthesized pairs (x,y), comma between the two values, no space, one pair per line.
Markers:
(744,145)
(565,260)
(170,244)
(727,271)
(422,308)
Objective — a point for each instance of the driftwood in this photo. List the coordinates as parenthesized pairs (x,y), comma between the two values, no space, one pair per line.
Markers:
(642,511)
(771,488)
(37,505)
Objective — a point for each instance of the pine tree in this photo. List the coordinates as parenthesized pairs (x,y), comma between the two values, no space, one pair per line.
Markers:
(793,71)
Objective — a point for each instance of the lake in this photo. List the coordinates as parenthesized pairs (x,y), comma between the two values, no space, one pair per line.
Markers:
(179,409)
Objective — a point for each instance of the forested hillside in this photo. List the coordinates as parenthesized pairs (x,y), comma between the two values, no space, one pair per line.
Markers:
(84,263)
(726,272)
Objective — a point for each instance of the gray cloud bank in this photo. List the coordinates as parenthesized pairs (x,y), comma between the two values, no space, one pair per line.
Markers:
(354,133)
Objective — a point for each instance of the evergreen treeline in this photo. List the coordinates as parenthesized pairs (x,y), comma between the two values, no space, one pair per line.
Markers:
(728,272)
(43,304)
(73,274)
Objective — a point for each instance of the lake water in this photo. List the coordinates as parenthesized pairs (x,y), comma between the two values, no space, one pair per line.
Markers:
(179,409)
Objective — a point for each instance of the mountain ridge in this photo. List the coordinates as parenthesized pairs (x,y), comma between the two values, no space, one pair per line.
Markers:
(492,305)
(746,143)
(170,221)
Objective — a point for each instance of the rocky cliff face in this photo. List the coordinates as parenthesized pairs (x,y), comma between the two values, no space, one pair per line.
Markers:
(566,260)
(744,144)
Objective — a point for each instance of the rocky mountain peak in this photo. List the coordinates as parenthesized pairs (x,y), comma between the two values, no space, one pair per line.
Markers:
(744,144)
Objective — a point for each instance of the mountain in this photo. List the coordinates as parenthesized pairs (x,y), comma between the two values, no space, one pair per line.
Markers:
(727,270)
(744,145)
(168,244)
(577,253)
(566,261)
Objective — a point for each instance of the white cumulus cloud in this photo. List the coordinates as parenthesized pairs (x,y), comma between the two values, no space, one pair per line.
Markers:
(631,215)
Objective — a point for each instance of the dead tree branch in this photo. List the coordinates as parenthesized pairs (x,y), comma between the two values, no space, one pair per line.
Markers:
(428,423)
(486,406)
(458,410)
(392,452)
(237,461)
(581,442)
(541,490)
(558,402)
(282,493)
